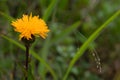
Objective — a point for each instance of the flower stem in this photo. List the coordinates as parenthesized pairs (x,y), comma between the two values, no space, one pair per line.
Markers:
(27,58)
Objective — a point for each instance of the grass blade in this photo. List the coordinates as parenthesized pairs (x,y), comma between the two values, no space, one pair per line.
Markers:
(9,18)
(65,32)
(44,54)
(91,48)
(45,49)
(88,42)
(49,10)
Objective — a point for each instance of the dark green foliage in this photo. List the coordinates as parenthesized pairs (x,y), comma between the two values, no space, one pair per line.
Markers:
(67,20)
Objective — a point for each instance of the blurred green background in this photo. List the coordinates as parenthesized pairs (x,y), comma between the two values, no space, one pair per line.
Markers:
(61,44)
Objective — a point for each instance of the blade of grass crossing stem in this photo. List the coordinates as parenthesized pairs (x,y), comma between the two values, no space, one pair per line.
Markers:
(88,42)
(65,32)
(35,55)
(49,10)
(13,41)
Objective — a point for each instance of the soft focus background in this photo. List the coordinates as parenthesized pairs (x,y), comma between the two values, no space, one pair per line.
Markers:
(62,43)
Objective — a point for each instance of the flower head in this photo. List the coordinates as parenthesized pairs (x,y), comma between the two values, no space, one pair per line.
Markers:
(28,26)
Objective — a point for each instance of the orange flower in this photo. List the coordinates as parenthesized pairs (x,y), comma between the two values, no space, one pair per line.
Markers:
(29,25)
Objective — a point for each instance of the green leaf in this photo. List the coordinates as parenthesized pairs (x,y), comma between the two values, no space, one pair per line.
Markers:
(88,42)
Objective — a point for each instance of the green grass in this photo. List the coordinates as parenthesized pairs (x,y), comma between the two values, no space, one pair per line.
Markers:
(64,18)
(92,37)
